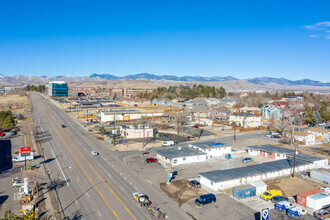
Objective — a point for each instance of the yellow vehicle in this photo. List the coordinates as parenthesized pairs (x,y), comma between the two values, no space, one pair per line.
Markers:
(269,194)
(26,199)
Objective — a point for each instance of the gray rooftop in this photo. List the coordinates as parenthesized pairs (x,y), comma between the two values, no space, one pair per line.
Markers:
(112,112)
(272,149)
(175,153)
(209,145)
(308,158)
(252,170)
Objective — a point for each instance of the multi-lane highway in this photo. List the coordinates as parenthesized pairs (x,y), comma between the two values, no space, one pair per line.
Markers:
(95,187)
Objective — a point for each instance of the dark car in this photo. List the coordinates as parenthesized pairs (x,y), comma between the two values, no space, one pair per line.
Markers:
(63,126)
(205,199)
(247,159)
(151,160)
(195,184)
(322,214)
(277,199)
(276,137)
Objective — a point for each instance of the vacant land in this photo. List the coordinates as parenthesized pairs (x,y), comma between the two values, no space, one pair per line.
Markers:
(181,192)
(16,103)
(291,186)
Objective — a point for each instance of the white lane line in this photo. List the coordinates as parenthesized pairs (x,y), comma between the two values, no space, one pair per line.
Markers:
(130,183)
(166,216)
(76,202)
(135,188)
(109,175)
(99,213)
(87,194)
(122,188)
(149,182)
(138,205)
(125,178)
(60,167)
(120,174)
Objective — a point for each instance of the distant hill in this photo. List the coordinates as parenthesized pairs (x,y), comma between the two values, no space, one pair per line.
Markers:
(285,82)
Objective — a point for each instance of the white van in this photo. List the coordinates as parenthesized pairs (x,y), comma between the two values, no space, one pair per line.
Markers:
(168,143)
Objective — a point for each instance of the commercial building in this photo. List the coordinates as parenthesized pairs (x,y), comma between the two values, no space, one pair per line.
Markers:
(81,91)
(317,201)
(321,175)
(137,131)
(180,155)
(270,151)
(125,115)
(212,149)
(222,179)
(57,89)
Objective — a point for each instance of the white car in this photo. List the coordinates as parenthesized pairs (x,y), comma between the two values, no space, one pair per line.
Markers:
(18,183)
(168,143)
(94,153)
(325,189)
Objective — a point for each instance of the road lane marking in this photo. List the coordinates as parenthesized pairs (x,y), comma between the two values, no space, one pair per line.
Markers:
(90,166)
(60,167)
(122,188)
(99,213)
(81,166)
(87,194)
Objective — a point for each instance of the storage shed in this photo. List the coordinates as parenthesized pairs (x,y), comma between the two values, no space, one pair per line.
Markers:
(244,191)
(321,175)
(302,197)
(317,201)
(261,187)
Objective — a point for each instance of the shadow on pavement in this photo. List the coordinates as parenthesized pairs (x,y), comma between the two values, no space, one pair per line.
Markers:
(47,161)
(3,199)
(5,155)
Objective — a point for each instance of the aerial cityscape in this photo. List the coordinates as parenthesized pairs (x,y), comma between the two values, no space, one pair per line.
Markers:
(164,110)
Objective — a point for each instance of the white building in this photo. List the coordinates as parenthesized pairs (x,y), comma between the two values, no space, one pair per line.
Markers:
(180,155)
(212,149)
(137,131)
(223,179)
(204,121)
(320,133)
(270,151)
(304,137)
(245,119)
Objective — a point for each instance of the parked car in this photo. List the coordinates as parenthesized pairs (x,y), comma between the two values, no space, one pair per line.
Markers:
(269,194)
(2,134)
(151,160)
(296,212)
(18,183)
(205,199)
(195,126)
(13,132)
(276,137)
(247,159)
(283,206)
(322,214)
(168,143)
(94,153)
(277,199)
(325,189)
(195,184)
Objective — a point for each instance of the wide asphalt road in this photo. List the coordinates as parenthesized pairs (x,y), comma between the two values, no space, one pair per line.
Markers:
(91,187)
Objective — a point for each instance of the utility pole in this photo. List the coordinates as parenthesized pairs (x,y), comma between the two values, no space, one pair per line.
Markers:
(144,132)
(294,160)
(114,129)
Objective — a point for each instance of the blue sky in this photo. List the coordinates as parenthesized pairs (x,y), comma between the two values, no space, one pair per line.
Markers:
(244,39)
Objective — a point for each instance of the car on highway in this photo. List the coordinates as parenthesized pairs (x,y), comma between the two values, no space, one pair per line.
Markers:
(277,199)
(195,184)
(63,126)
(247,160)
(94,153)
(151,160)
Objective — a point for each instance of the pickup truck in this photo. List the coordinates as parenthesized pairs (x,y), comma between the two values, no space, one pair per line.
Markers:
(296,212)
(19,158)
(283,206)
(142,199)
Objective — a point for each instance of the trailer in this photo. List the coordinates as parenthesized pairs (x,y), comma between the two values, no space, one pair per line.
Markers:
(21,158)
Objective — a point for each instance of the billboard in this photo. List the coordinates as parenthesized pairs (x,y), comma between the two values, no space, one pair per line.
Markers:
(25,150)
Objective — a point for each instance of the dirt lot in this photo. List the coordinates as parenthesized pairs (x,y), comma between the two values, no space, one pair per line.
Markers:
(291,186)
(17,103)
(181,192)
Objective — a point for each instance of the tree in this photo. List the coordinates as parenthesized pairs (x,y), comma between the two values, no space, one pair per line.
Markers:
(102,130)
(309,116)
(115,96)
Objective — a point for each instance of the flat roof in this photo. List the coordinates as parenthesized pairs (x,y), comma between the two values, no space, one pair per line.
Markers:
(111,112)
(309,158)
(272,149)
(175,153)
(252,170)
(209,145)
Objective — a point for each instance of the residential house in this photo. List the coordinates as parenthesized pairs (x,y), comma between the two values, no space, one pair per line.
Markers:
(228,102)
(199,111)
(245,119)
(271,112)
(220,114)
(200,102)
(320,134)
(294,98)
(253,110)
(279,104)
(162,102)
(135,102)
(212,101)
(304,138)
(204,121)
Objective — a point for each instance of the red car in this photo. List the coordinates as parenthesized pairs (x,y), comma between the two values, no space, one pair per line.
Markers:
(151,160)
(195,126)
(1,134)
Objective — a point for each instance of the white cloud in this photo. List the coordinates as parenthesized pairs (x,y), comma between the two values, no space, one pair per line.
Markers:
(321,28)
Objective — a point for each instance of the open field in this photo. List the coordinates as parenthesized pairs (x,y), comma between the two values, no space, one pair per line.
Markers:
(16,103)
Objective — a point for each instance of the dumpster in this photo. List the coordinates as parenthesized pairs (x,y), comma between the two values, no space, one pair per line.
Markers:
(244,191)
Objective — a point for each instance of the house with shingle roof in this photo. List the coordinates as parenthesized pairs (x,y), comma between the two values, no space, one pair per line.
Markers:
(304,138)
(320,133)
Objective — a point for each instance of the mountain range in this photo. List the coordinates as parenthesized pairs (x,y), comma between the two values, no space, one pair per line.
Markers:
(262,81)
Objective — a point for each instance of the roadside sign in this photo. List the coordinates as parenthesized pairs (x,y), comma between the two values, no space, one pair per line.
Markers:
(169,170)
(142,149)
(264,214)
(25,150)
(86,112)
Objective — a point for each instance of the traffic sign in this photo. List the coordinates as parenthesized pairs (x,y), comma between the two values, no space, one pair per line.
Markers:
(25,150)
(264,214)
(86,112)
